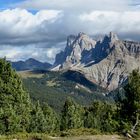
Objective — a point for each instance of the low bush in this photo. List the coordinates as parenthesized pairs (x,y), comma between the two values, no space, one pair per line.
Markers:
(26,136)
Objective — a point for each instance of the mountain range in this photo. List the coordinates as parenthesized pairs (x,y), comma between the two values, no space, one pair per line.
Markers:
(105,62)
(30,64)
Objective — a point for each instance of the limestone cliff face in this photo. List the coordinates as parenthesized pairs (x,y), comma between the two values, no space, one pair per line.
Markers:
(76,51)
(106,62)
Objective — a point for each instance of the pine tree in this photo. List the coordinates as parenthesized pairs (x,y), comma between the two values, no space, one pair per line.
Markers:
(72,115)
(13,99)
(38,122)
(108,118)
(92,115)
(52,121)
(131,105)
(100,116)
(9,121)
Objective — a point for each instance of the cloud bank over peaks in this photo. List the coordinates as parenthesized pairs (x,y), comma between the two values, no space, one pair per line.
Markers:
(41,34)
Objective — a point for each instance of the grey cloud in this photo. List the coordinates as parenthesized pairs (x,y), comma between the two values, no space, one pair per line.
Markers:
(44,33)
(20,27)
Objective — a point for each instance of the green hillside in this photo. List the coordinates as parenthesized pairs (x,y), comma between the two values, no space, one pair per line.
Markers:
(55,87)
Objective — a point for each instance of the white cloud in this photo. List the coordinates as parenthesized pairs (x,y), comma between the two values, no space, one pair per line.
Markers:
(16,53)
(9,53)
(39,35)
(18,23)
(120,22)
(24,35)
(51,52)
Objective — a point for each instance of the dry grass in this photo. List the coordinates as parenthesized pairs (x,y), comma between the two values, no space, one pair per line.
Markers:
(96,137)
(43,137)
(51,83)
(29,74)
(25,136)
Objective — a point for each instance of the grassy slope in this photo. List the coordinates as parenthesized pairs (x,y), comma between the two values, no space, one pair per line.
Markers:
(25,136)
(55,87)
(29,74)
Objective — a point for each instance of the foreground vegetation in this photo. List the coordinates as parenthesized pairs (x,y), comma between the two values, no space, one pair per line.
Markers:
(25,136)
(18,114)
(46,137)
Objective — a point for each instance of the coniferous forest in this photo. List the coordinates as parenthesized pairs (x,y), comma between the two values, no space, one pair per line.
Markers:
(20,114)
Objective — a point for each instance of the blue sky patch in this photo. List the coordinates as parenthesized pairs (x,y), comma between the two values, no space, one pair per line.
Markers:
(4,4)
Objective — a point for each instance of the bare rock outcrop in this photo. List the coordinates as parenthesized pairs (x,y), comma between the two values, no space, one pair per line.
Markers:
(106,62)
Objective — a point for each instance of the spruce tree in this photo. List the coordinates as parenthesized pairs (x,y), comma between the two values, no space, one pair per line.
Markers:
(130,109)
(101,116)
(9,121)
(13,100)
(38,122)
(72,115)
(92,115)
(51,119)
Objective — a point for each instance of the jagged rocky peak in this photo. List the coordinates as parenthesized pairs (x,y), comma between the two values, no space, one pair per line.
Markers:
(82,35)
(82,40)
(78,47)
(133,47)
(75,51)
(107,62)
(113,36)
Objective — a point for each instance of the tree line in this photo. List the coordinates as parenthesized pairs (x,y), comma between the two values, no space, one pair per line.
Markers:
(19,114)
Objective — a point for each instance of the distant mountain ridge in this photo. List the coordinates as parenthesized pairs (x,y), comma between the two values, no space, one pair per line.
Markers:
(30,64)
(106,62)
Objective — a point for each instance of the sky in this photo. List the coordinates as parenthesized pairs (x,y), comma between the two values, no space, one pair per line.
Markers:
(39,28)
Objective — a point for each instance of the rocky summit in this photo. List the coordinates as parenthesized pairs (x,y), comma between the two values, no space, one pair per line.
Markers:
(106,62)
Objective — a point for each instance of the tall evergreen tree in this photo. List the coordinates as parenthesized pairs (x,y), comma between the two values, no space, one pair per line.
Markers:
(92,115)
(51,118)
(38,122)
(14,97)
(9,121)
(108,118)
(101,117)
(130,109)
(72,115)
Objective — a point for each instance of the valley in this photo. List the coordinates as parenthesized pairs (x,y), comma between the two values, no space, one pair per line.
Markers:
(55,87)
